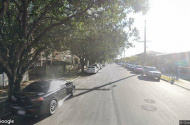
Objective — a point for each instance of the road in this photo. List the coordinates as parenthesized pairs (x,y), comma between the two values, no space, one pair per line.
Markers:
(115,96)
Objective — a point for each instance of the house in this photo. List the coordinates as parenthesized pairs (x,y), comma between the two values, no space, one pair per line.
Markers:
(64,56)
(174,62)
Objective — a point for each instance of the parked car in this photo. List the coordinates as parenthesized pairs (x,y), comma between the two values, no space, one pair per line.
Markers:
(92,69)
(138,69)
(151,72)
(41,97)
(100,66)
(132,67)
(128,65)
(104,64)
(97,65)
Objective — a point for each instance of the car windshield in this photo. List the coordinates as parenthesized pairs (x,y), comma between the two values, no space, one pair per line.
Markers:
(37,87)
(152,69)
(138,66)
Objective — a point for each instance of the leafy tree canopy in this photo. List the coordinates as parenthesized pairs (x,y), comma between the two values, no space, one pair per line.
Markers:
(28,27)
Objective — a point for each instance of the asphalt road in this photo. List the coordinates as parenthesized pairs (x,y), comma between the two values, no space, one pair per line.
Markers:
(115,96)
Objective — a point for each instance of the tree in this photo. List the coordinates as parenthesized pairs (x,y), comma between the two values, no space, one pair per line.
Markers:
(27,27)
(99,35)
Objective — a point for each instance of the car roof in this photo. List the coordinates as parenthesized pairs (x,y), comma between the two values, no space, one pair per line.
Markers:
(139,65)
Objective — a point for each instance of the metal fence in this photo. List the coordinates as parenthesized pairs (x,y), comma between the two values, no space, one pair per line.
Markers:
(4,79)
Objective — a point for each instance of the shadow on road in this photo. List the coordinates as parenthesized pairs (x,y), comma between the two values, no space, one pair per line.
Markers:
(84,74)
(181,86)
(132,72)
(89,89)
(32,120)
(98,88)
(147,79)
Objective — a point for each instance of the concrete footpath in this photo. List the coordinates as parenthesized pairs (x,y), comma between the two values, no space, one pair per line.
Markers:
(180,82)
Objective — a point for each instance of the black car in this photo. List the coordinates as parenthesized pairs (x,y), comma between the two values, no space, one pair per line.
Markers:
(132,67)
(41,97)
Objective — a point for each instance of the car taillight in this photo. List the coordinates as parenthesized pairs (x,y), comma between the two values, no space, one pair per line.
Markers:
(37,99)
(13,98)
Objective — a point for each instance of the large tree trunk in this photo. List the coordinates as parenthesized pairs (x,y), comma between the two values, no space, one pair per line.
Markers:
(14,85)
(10,90)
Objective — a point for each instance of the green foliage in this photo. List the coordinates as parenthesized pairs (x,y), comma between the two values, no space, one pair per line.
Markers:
(29,27)
(99,34)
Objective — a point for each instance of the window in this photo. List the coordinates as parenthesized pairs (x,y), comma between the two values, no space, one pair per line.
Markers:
(37,87)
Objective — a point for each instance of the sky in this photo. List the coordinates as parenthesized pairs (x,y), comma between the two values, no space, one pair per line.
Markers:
(167,27)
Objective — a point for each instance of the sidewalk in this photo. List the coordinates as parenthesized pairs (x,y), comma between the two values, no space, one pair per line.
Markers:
(180,82)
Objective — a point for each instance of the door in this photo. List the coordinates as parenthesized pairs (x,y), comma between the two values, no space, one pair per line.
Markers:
(63,90)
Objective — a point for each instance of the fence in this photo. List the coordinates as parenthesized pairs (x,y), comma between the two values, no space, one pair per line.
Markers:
(4,79)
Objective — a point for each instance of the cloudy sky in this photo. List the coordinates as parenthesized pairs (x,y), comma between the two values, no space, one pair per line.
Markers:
(168,27)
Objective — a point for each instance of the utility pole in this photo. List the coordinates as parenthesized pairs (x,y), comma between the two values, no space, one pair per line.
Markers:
(144,57)
(145,42)
(124,52)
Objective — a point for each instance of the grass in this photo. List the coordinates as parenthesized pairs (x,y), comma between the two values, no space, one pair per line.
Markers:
(3,91)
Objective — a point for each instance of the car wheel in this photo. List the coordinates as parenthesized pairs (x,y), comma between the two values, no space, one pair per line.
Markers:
(73,91)
(52,107)
(159,79)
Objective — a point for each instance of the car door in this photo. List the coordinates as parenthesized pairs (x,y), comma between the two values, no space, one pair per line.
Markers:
(144,70)
(54,88)
(96,69)
(63,89)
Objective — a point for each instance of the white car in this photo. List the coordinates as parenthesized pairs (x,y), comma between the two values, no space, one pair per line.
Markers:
(92,69)
(97,66)
(100,66)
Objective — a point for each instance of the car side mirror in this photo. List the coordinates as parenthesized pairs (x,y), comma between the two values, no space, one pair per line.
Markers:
(69,83)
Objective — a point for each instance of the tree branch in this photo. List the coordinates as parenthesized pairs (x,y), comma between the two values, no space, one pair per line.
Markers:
(36,54)
(25,16)
(35,23)
(17,4)
(57,24)
(4,8)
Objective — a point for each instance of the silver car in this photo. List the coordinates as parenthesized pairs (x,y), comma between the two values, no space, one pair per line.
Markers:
(151,72)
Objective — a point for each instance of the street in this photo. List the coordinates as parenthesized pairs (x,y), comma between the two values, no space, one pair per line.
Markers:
(116,96)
